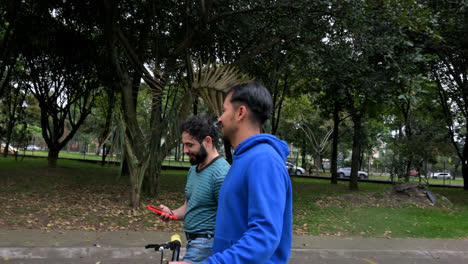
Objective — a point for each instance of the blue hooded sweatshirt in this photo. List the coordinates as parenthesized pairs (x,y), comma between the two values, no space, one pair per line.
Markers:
(254,218)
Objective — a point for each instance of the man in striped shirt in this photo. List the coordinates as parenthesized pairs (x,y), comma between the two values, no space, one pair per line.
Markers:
(204,180)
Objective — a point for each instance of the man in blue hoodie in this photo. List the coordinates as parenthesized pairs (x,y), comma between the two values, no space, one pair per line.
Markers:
(254,218)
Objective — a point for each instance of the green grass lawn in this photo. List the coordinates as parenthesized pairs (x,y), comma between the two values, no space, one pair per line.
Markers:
(324,209)
(92,156)
(458,180)
(86,196)
(170,161)
(65,154)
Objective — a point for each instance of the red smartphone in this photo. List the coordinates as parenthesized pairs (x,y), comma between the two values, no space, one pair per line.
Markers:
(159,212)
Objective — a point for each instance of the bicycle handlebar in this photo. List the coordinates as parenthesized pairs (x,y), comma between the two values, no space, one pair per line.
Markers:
(174,245)
(168,245)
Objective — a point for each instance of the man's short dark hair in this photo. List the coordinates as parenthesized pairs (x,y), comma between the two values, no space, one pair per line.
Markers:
(256,98)
(200,127)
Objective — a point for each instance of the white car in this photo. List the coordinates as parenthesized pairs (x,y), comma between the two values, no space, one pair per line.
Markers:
(293,169)
(346,172)
(441,175)
(32,147)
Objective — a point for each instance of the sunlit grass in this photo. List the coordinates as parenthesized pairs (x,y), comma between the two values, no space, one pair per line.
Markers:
(92,156)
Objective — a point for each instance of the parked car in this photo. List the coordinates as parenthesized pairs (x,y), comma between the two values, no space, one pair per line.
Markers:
(346,172)
(414,173)
(293,169)
(32,147)
(441,175)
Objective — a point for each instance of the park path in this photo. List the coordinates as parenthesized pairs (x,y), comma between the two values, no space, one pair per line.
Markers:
(36,246)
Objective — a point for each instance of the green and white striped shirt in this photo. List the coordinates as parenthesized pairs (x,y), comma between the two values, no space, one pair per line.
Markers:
(202,193)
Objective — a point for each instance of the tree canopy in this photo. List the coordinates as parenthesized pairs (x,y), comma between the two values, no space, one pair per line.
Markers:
(373,69)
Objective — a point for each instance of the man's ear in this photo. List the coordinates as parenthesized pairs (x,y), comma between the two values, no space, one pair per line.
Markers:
(242,113)
(208,141)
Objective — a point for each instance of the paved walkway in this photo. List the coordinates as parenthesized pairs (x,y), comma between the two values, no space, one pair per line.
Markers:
(36,246)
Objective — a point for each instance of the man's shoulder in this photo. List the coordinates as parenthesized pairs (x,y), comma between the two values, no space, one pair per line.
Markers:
(217,170)
(221,161)
(221,165)
(192,170)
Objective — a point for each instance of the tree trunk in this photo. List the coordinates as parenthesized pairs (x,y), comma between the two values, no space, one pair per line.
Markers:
(125,171)
(464,162)
(336,126)
(408,168)
(135,199)
(465,175)
(7,142)
(151,180)
(274,98)
(409,136)
(303,153)
(353,182)
(12,118)
(104,155)
(156,152)
(318,164)
(368,163)
(278,105)
(136,183)
(53,157)
(334,157)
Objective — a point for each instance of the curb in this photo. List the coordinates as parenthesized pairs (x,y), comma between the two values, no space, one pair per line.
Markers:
(141,253)
(79,252)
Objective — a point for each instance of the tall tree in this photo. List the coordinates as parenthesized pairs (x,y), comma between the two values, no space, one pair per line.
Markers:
(167,37)
(450,69)
(13,106)
(330,85)
(61,69)
(373,36)
(9,52)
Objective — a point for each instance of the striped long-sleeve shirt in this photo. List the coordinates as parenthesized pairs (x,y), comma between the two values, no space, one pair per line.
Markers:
(202,193)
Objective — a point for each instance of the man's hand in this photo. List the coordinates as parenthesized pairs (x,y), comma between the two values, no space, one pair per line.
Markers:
(166,212)
(179,262)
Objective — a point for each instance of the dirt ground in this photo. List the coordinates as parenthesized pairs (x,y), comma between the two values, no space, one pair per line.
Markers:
(399,196)
(105,208)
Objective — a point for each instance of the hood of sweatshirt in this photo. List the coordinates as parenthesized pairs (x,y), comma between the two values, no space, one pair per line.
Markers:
(279,145)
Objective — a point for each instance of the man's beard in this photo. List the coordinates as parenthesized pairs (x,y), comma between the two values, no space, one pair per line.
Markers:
(200,156)
(228,134)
